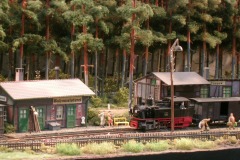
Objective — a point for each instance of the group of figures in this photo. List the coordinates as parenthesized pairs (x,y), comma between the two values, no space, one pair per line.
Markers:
(203,124)
(103,116)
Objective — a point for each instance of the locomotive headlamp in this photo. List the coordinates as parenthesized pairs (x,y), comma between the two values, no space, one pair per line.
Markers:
(175,48)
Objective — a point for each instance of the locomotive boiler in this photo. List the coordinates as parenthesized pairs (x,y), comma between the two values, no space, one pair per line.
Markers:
(155,115)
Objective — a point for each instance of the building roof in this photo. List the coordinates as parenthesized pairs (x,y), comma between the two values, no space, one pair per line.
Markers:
(216,99)
(46,89)
(177,99)
(181,78)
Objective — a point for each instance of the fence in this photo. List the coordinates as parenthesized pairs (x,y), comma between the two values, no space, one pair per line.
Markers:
(120,139)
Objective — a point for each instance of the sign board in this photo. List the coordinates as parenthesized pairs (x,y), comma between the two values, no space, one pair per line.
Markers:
(67,100)
(218,83)
(3,98)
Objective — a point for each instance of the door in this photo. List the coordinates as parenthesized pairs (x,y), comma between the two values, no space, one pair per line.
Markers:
(23,119)
(40,117)
(71,115)
(224,111)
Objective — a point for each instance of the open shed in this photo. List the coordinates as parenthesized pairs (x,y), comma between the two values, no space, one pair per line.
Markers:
(157,84)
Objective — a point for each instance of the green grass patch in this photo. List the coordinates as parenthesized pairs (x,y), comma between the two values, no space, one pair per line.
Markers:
(157,146)
(68,149)
(18,155)
(204,144)
(133,146)
(184,144)
(100,149)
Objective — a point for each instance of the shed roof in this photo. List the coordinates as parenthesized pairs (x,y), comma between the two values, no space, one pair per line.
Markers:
(177,99)
(46,89)
(181,78)
(217,99)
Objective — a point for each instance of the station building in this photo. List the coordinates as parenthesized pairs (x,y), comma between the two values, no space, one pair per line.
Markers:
(61,102)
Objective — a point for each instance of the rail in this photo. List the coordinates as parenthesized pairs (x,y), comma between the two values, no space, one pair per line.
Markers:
(121,139)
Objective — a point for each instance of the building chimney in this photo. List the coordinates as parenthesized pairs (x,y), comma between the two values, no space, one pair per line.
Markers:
(19,74)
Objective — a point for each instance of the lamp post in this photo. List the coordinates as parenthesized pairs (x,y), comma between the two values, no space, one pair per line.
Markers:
(175,47)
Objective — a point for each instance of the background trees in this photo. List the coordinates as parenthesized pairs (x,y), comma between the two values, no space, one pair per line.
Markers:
(94,38)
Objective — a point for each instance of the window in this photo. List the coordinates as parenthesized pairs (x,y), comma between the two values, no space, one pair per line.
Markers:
(23,113)
(59,114)
(40,112)
(227,91)
(204,92)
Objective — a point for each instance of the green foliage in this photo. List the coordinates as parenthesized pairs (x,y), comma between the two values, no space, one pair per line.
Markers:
(101,149)
(184,144)
(232,139)
(157,146)
(2,78)
(193,27)
(68,149)
(110,85)
(96,102)
(5,149)
(121,96)
(133,146)
(204,144)
(52,75)
(92,117)
(206,17)
(93,44)
(8,128)
(47,149)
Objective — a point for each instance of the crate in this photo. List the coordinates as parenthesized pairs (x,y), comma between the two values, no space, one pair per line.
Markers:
(54,126)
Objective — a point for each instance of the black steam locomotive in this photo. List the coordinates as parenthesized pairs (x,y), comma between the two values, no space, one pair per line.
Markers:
(154,115)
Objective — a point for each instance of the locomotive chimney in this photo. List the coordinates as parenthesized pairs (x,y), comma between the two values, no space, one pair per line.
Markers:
(19,74)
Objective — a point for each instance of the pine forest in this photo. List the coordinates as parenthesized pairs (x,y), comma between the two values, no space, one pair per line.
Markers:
(106,42)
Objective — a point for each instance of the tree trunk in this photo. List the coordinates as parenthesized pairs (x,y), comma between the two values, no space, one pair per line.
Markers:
(123,68)
(47,39)
(24,5)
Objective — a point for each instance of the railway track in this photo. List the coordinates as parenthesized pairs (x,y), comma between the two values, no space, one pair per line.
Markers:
(117,136)
(107,132)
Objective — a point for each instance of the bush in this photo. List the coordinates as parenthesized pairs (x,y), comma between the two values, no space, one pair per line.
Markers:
(232,139)
(8,128)
(157,146)
(184,144)
(121,97)
(68,149)
(47,149)
(133,146)
(204,144)
(102,148)
(96,102)
(93,118)
(5,149)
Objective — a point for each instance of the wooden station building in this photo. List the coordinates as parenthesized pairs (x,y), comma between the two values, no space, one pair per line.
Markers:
(211,98)
(61,102)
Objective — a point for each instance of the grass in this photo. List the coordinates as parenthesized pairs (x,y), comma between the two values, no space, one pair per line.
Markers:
(99,149)
(68,149)
(133,146)
(157,146)
(19,155)
(109,148)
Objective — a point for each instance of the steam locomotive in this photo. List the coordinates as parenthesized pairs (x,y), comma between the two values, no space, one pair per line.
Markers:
(154,115)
